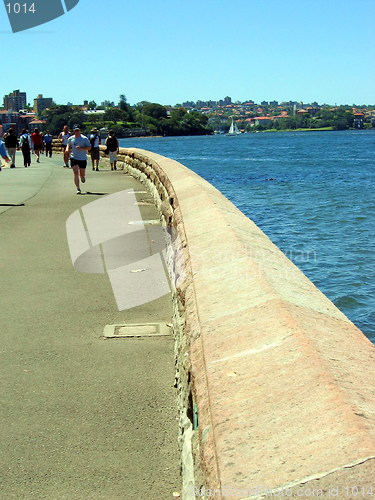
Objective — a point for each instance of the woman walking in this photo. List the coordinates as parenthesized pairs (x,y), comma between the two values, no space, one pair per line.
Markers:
(113,147)
(26,147)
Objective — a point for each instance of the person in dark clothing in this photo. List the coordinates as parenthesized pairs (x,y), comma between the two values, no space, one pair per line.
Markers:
(113,148)
(47,139)
(95,142)
(26,146)
(11,143)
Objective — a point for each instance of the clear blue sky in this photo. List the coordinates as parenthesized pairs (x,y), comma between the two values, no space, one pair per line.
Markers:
(175,50)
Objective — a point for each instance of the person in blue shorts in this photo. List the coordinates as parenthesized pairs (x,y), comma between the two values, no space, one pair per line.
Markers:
(78,145)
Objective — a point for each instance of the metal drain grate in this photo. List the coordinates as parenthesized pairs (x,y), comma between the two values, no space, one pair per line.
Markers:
(137,330)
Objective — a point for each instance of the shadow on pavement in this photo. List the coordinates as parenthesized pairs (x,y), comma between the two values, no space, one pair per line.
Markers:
(12,204)
(96,194)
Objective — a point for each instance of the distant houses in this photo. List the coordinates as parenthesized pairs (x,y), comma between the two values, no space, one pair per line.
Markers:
(17,120)
(16,112)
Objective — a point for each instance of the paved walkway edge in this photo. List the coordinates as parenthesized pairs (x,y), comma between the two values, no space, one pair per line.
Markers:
(276,385)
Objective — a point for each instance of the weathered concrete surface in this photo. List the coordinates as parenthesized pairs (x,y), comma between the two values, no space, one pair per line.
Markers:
(283,381)
(81,417)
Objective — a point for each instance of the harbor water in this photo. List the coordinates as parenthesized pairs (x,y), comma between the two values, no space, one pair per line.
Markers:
(312,193)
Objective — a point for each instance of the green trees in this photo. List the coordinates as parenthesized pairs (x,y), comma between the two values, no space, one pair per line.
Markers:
(342,119)
(58,116)
(154,118)
(154,110)
(144,118)
(147,116)
(92,105)
(123,104)
(183,123)
(128,110)
(115,115)
(178,114)
(291,123)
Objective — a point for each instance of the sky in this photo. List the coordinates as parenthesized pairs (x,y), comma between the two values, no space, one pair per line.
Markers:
(173,51)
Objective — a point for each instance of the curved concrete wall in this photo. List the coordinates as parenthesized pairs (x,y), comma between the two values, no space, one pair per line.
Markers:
(276,384)
(282,381)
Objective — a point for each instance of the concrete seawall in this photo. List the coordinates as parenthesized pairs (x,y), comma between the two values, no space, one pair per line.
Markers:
(276,385)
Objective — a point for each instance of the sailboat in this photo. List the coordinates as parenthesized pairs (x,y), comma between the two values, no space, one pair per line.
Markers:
(233,128)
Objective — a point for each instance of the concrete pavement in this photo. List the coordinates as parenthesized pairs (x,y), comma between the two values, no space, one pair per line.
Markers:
(82,417)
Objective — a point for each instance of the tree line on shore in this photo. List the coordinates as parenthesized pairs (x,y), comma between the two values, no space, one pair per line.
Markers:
(148,118)
(144,118)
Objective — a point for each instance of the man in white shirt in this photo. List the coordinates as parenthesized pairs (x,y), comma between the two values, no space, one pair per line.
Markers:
(77,147)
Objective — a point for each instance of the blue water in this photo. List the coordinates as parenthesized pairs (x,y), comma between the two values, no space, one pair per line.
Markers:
(312,193)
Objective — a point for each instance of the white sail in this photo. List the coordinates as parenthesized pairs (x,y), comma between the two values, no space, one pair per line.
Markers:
(233,130)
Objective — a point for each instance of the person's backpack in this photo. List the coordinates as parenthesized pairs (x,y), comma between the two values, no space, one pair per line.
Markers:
(93,139)
(25,141)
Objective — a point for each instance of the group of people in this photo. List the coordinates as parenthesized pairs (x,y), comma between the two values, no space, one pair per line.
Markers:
(111,142)
(35,143)
(74,146)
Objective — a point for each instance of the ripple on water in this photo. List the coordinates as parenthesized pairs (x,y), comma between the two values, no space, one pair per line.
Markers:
(348,302)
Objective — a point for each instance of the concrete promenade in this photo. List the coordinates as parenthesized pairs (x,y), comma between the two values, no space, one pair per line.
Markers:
(82,417)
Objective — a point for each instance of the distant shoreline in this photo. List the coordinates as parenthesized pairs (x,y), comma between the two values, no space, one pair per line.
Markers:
(145,137)
(267,131)
(274,130)
(323,129)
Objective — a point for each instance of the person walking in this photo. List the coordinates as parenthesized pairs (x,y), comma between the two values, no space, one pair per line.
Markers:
(113,148)
(77,148)
(37,140)
(26,147)
(11,144)
(63,137)
(47,139)
(95,142)
(3,153)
